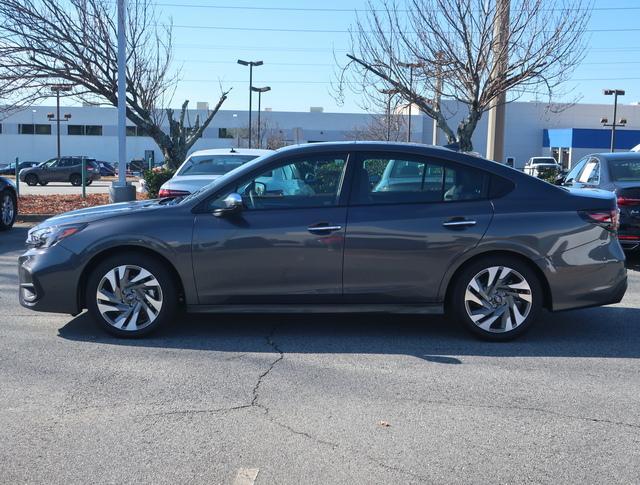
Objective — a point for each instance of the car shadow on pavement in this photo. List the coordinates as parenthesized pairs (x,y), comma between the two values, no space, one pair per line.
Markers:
(598,332)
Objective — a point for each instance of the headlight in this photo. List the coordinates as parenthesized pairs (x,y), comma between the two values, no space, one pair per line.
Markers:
(48,236)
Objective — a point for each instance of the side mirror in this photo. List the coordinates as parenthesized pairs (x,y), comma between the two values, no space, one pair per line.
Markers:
(232,205)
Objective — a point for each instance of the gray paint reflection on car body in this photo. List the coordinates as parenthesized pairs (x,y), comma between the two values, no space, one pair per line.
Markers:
(407,261)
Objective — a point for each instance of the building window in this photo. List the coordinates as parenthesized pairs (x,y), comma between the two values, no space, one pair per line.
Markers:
(135,131)
(34,129)
(225,133)
(93,130)
(88,130)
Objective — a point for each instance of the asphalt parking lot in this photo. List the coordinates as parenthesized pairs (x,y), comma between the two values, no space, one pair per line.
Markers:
(317,399)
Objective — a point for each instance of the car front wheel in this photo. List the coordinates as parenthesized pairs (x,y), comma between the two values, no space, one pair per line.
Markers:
(496,298)
(8,210)
(131,295)
(31,179)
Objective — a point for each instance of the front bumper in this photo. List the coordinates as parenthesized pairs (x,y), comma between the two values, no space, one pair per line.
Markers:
(49,280)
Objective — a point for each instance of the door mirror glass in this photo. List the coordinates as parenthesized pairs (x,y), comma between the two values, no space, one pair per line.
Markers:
(232,205)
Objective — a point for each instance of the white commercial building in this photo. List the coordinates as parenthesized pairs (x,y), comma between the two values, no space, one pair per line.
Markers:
(532,129)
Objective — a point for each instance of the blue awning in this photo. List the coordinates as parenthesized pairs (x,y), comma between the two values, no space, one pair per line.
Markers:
(589,138)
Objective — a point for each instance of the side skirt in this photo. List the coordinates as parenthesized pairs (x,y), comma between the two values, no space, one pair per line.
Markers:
(322,308)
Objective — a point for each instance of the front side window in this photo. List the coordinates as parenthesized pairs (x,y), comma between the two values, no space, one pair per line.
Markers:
(415,180)
(213,164)
(573,174)
(305,182)
(591,172)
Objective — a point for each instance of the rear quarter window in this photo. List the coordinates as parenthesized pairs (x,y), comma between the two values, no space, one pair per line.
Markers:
(499,187)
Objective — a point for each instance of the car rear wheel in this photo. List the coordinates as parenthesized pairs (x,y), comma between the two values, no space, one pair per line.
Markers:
(131,295)
(8,210)
(496,298)
(76,180)
(31,179)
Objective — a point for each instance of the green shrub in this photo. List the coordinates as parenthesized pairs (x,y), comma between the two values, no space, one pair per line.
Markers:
(154,180)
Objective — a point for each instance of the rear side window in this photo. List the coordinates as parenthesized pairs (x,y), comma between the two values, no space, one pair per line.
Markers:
(402,179)
(499,187)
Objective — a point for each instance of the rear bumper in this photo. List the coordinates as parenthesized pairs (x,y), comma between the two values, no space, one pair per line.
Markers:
(49,280)
(593,274)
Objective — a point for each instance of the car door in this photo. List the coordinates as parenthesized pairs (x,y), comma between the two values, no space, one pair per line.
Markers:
(402,237)
(285,246)
(47,171)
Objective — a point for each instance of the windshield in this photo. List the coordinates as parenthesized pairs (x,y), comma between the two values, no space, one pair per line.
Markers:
(213,164)
(625,170)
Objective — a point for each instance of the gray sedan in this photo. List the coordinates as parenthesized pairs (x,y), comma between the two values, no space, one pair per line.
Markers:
(487,244)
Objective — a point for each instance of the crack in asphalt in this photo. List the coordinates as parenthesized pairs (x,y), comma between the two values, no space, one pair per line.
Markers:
(531,409)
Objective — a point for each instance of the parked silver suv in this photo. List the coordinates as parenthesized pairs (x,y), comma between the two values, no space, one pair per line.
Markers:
(67,169)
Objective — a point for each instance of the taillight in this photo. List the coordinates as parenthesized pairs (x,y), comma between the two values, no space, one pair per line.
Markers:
(172,193)
(607,219)
(627,201)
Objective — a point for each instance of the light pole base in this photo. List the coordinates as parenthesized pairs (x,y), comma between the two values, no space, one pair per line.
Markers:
(122,193)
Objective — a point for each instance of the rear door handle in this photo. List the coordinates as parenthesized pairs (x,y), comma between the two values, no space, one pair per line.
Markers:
(323,228)
(459,223)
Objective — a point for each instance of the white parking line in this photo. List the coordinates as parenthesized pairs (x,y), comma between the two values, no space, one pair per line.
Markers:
(246,476)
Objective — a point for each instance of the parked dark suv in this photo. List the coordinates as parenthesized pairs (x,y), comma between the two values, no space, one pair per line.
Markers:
(68,169)
(334,227)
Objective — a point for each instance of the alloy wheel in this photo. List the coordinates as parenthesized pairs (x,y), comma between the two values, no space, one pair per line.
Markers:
(498,299)
(7,211)
(129,297)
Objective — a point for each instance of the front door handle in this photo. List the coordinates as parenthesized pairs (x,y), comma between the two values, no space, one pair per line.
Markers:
(459,223)
(323,228)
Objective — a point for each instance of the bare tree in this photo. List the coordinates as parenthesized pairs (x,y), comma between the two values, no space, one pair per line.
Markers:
(74,41)
(381,127)
(428,50)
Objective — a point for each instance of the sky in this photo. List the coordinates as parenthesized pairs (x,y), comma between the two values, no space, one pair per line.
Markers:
(210,35)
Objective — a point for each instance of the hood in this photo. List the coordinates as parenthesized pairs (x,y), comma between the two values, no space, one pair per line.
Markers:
(189,183)
(91,214)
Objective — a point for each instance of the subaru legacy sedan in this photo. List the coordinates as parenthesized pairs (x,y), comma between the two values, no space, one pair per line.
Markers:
(486,244)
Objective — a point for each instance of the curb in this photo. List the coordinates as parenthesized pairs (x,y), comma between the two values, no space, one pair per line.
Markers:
(33,217)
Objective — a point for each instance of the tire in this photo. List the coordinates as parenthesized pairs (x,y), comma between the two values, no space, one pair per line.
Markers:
(159,295)
(483,300)
(8,210)
(89,182)
(31,179)
(75,179)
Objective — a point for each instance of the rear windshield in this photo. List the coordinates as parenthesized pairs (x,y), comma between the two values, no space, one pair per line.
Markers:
(213,164)
(625,170)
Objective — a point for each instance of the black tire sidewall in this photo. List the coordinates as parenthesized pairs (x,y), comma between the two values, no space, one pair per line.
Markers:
(3,226)
(31,179)
(151,264)
(456,305)
(76,180)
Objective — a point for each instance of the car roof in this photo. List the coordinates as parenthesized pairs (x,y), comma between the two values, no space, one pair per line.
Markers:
(232,151)
(618,155)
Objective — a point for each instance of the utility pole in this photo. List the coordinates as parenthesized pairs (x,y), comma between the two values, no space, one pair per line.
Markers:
(496,120)
(251,64)
(615,93)
(120,191)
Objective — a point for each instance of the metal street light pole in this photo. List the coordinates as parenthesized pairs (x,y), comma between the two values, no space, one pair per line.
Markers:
(260,91)
(250,64)
(411,66)
(56,88)
(615,93)
(390,93)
